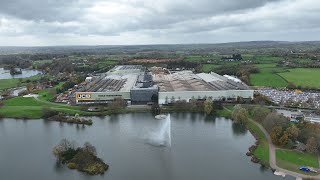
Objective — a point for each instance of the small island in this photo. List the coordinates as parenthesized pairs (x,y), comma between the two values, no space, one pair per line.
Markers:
(83,159)
(14,71)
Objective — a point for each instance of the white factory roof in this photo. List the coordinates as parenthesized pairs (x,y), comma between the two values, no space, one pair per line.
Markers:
(233,78)
(131,81)
(209,77)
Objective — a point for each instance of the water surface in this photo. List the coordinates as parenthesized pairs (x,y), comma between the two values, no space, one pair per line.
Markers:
(202,148)
(5,74)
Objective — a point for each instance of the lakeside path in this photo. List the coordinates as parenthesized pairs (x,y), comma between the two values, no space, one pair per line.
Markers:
(48,102)
(272,156)
(273,161)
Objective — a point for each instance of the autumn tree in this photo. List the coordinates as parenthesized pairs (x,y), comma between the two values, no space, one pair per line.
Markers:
(30,87)
(284,139)
(312,145)
(276,133)
(240,114)
(208,106)
(293,132)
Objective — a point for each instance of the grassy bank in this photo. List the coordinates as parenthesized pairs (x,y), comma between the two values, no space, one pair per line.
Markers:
(293,160)
(262,151)
(29,107)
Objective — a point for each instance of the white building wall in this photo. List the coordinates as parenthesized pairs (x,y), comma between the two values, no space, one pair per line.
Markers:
(187,95)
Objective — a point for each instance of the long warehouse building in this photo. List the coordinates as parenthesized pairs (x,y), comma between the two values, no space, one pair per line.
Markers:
(185,85)
(135,85)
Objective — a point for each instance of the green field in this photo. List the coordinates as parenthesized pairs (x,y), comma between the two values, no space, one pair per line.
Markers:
(305,77)
(268,76)
(12,83)
(29,107)
(22,101)
(202,58)
(267,79)
(209,67)
(45,95)
(292,160)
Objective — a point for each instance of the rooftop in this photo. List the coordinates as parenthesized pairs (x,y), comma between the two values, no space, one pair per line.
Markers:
(188,81)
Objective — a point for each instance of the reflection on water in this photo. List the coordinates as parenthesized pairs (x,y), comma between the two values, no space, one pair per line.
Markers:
(239,129)
(203,147)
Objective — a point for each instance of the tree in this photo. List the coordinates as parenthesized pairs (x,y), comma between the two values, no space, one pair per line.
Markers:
(89,148)
(274,119)
(284,139)
(240,115)
(29,86)
(193,102)
(62,147)
(259,113)
(276,133)
(208,106)
(311,145)
(293,132)
(173,100)
(117,103)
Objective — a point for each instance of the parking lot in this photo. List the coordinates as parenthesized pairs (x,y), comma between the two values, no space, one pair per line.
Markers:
(285,97)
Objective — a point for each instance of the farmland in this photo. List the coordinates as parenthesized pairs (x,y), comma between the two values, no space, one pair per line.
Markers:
(268,76)
(305,77)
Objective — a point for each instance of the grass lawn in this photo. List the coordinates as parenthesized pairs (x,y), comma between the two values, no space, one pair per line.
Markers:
(268,76)
(11,83)
(306,77)
(22,112)
(262,152)
(292,160)
(22,101)
(267,79)
(29,107)
(45,95)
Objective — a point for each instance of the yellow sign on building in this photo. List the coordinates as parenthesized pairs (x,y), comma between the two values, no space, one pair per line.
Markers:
(83,96)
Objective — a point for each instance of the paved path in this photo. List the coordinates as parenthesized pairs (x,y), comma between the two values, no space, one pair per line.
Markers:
(273,161)
(48,102)
(272,156)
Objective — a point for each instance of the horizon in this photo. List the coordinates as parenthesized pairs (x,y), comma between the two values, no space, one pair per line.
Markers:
(96,45)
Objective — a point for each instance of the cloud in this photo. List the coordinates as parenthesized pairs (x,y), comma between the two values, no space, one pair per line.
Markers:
(159,21)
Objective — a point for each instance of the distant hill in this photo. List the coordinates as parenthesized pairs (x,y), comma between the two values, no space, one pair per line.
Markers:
(110,49)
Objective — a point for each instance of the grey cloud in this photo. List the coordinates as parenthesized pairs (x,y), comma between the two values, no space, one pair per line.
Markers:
(42,10)
(162,21)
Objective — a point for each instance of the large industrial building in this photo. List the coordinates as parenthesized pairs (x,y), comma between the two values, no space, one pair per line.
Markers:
(135,85)
(185,85)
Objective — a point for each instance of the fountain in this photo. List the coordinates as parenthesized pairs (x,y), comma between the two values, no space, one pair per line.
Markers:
(163,136)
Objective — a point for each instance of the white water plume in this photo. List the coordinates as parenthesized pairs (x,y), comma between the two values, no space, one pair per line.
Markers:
(162,137)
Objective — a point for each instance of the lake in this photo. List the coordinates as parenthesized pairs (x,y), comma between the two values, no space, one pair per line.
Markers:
(203,148)
(5,74)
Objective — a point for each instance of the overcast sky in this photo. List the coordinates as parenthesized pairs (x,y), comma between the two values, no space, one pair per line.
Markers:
(109,22)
